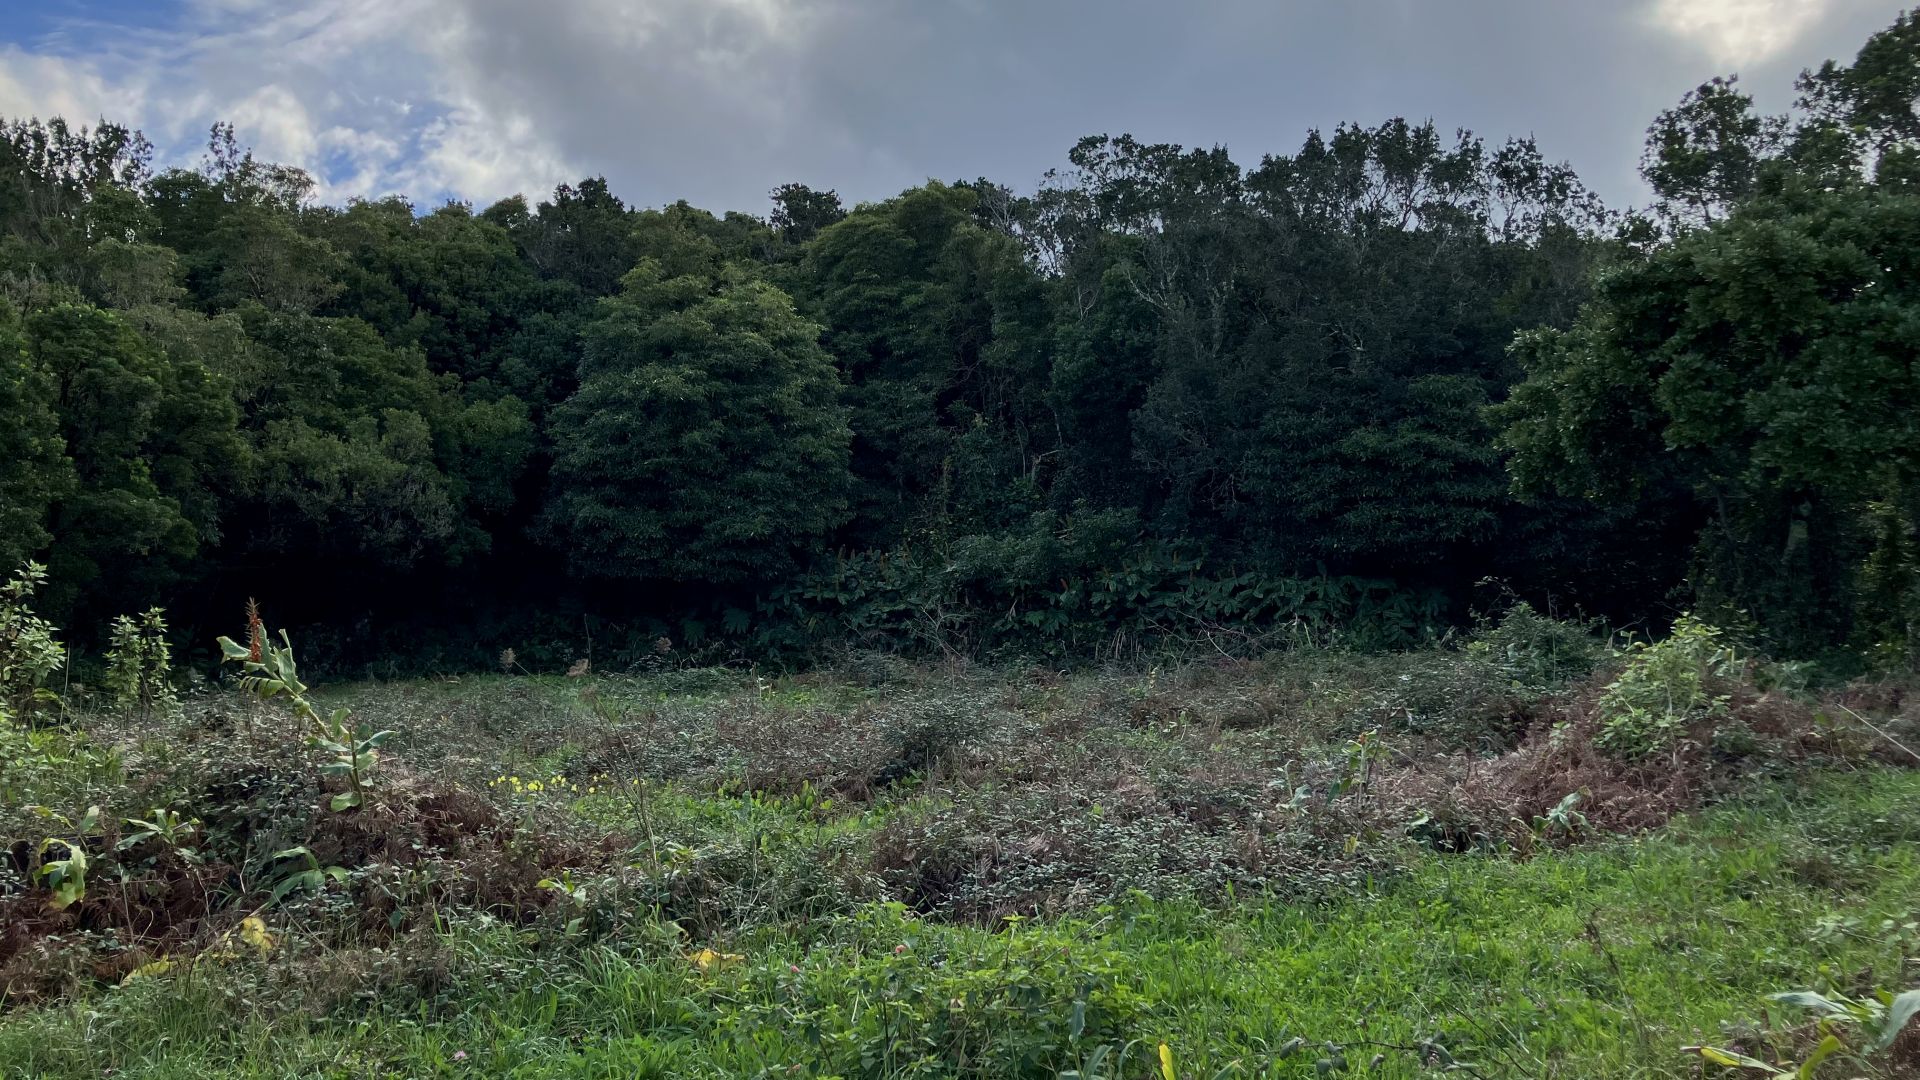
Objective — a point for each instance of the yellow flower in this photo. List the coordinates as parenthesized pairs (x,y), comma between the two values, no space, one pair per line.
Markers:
(254,932)
(148,970)
(707,960)
(1166,1061)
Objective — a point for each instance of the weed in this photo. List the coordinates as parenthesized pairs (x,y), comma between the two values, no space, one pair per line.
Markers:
(1669,691)
(270,673)
(1538,652)
(139,665)
(29,650)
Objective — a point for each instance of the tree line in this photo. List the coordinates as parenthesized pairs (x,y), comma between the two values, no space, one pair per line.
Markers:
(1165,392)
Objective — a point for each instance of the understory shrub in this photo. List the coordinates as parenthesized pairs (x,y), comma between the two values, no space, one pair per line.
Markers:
(140,665)
(1536,651)
(29,649)
(1050,593)
(1669,690)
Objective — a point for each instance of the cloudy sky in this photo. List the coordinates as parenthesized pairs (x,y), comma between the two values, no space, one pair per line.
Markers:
(717,101)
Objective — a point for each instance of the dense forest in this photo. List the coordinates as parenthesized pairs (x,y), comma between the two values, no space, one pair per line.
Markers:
(1358,390)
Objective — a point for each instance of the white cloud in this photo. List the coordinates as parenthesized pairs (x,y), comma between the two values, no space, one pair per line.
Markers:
(1737,32)
(435,98)
(355,91)
(46,86)
(277,123)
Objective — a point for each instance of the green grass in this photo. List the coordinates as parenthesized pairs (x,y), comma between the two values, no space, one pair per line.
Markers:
(1595,962)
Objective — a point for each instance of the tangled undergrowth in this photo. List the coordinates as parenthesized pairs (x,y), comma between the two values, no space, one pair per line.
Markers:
(703,811)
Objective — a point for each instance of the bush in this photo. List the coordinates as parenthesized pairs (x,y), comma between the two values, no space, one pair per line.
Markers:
(139,663)
(29,652)
(1667,691)
(1537,651)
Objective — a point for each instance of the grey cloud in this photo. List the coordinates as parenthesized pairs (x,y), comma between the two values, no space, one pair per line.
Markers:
(871,96)
(717,101)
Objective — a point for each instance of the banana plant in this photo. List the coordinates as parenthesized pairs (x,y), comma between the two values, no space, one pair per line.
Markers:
(271,673)
(66,877)
(1883,1015)
(297,870)
(169,827)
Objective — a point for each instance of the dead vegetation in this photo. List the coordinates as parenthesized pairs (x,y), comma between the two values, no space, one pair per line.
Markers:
(963,794)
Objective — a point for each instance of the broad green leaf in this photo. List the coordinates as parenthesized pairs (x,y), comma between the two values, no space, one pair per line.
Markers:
(1734,1060)
(1898,1014)
(1828,1046)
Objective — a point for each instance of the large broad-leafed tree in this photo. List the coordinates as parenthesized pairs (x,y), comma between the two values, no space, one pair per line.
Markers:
(707,443)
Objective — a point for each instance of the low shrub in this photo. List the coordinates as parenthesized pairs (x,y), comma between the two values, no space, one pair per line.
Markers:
(1672,690)
(1537,652)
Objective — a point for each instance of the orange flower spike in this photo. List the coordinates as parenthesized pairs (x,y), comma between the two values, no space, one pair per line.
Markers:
(256,631)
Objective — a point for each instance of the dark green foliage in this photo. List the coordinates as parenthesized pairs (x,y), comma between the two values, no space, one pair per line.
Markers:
(1760,365)
(149,441)
(941,421)
(363,452)
(34,470)
(706,443)
(1765,367)
(800,212)
(1270,359)
(69,206)
(1076,588)
(1708,152)
(939,327)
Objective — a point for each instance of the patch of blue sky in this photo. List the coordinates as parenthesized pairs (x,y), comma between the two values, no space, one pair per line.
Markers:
(77,27)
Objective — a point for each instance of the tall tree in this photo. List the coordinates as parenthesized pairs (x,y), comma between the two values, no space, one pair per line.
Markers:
(1766,365)
(35,473)
(706,443)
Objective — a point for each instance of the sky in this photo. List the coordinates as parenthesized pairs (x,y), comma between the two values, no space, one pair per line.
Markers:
(719,101)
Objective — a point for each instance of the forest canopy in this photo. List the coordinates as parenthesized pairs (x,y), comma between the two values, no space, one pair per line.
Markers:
(1358,388)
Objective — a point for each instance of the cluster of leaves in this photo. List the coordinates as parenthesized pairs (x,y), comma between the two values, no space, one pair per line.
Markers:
(1077,588)
(1538,652)
(140,664)
(30,649)
(1710,373)
(1669,690)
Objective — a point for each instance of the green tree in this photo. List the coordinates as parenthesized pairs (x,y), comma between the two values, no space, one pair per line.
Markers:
(1767,365)
(35,473)
(1708,153)
(237,224)
(70,208)
(706,443)
(1286,363)
(149,438)
(583,235)
(942,331)
(800,212)
(364,453)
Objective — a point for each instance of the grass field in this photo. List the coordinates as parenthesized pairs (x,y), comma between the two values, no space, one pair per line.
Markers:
(1291,868)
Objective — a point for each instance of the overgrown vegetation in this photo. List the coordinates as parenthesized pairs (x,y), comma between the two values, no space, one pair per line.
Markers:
(1489,858)
(1159,626)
